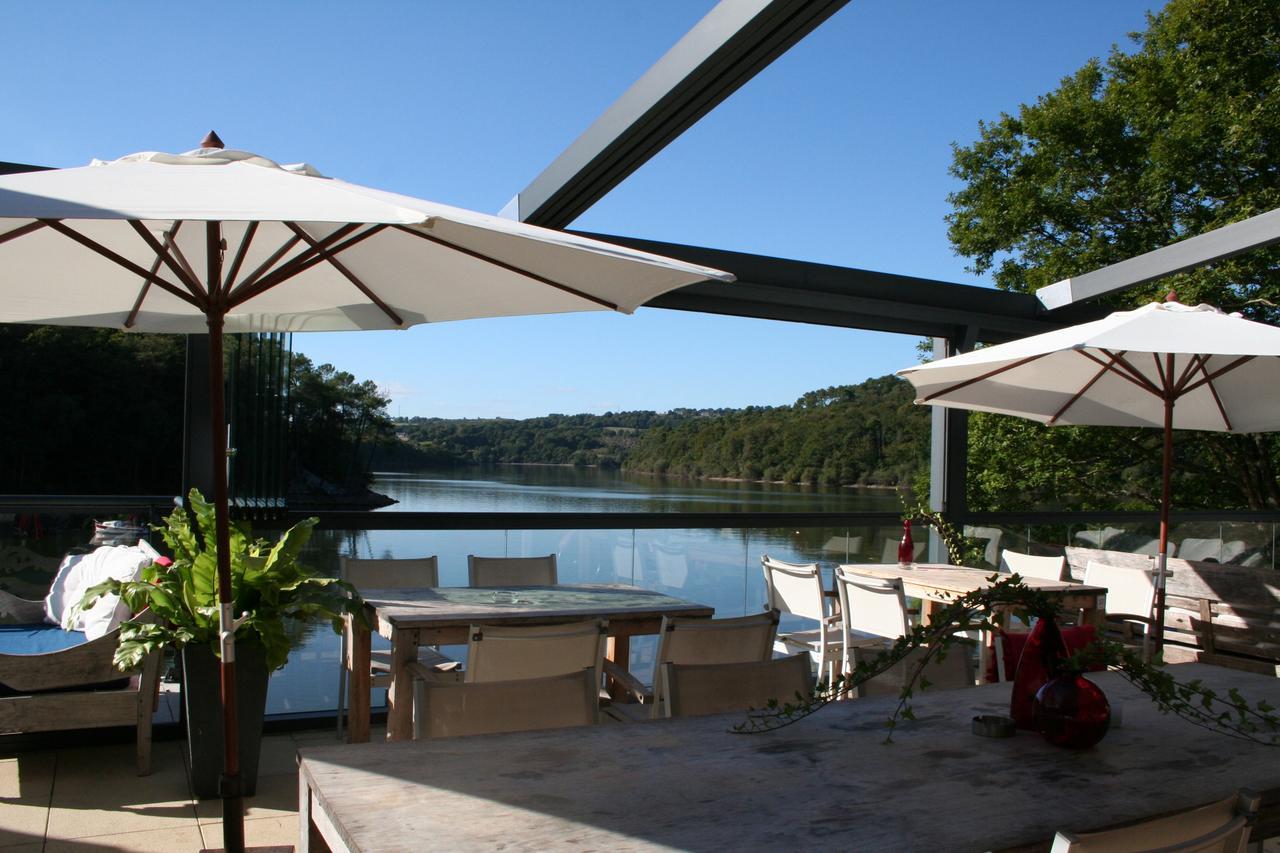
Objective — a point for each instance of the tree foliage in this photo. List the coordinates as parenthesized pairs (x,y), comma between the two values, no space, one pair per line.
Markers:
(1178,136)
(851,434)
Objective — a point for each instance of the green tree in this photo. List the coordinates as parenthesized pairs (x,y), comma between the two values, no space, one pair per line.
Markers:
(1178,136)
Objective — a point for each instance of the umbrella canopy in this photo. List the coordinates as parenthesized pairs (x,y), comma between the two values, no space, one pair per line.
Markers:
(1163,365)
(297,252)
(217,241)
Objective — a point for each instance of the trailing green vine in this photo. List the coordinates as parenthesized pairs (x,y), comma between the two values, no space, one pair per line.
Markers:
(1231,714)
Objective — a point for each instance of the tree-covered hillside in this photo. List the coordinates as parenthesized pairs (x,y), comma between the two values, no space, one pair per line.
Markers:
(852,434)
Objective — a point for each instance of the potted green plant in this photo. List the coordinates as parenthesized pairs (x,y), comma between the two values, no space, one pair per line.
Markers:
(271,590)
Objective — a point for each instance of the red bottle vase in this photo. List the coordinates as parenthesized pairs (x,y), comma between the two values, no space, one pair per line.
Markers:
(1042,658)
(1071,711)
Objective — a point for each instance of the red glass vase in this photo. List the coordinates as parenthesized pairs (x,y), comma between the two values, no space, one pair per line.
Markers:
(1071,711)
(1043,655)
(906,548)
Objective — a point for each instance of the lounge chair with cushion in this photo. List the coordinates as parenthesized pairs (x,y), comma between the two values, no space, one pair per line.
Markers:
(56,670)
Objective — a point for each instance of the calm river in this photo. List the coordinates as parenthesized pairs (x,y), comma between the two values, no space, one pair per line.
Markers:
(716,566)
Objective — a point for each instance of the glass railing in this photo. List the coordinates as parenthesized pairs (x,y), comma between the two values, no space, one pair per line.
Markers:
(711,559)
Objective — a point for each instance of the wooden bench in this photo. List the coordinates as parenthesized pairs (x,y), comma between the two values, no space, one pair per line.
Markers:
(1214,613)
(75,688)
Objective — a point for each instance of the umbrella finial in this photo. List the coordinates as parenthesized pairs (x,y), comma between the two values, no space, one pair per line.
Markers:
(1171,296)
(211,140)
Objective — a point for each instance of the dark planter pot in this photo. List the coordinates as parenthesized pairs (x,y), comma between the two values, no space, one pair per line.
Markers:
(202,700)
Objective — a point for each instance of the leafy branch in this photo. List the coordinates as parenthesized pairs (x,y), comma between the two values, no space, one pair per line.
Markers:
(1232,715)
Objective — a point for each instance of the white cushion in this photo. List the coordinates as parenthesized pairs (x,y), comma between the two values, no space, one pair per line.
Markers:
(121,562)
(55,603)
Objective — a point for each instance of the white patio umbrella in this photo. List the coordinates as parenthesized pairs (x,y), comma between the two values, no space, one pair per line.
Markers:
(1163,365)
(216,241)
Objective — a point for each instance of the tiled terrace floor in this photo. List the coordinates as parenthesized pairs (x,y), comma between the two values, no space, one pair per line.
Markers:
(90,798)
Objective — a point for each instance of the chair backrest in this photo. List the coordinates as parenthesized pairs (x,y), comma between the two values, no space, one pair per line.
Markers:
(871,605)
(794,588)
(718,688)
(1221,827)
(448,708)
(1131,591)
(951,672)
(1204,550)
(509,652)
(511,571)
(1033,566)
(688,640)
(390,574)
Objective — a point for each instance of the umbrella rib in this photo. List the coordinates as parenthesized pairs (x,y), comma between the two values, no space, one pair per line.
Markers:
(146,285)
(266,265)
(346,273)
(1129,373)
(181,259)
(299,263)
(604,303)
(23,230)
(241,250)
(1105,369)
(183,272)
(966,383)
(116,258)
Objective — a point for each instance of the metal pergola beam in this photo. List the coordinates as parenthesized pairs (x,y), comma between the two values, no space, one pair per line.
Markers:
(723,51)
(1252,233)
(821,294)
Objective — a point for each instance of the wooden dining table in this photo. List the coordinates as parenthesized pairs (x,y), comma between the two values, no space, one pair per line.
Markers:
(938,584)
(828,782)
(410,618)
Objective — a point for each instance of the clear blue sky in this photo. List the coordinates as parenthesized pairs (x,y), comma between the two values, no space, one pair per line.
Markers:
(836,153)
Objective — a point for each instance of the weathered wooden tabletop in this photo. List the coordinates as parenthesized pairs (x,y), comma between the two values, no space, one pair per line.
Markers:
(443,608)
(827,783)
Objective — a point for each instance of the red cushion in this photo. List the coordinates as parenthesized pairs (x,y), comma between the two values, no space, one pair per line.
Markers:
(1075,637)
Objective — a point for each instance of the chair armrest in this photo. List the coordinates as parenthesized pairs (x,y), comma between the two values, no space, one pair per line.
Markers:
(626,682)
(426,672)
(19,611)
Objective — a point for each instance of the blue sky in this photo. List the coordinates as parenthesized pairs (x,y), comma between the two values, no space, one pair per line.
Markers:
(836,153)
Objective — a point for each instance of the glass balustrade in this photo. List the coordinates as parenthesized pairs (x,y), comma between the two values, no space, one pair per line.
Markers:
(719,566)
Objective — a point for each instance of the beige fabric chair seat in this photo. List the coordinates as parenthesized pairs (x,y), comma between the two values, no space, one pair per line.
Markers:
(952,672)
(1221,827)
(687,640)
(388,574)
(720,688)
(444,709)
(511,571)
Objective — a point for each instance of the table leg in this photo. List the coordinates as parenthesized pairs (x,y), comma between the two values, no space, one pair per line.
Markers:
(404,648)
(618,650)
(359,645)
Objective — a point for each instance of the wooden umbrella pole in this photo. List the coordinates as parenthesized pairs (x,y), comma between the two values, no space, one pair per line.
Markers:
(229,784)
(1166,492)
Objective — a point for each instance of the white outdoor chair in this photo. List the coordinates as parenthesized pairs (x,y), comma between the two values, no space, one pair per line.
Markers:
(1221,827)
(1201,549)
(795,588)
(873,612)
(388,574)
(687,640)
(1033,566)
(511,571)
(993,535)
(1131,599)
(719,688)
(918,547)
(951,672)
(444,709)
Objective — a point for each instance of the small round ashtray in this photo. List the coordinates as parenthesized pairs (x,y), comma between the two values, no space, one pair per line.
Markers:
(504,596)
(993,725)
